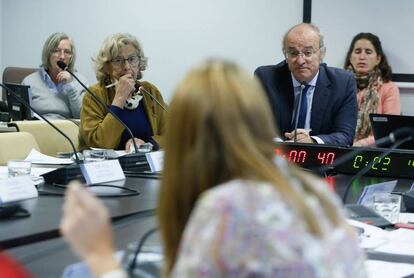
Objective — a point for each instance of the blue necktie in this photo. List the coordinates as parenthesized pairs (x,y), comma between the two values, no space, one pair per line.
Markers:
(303,108)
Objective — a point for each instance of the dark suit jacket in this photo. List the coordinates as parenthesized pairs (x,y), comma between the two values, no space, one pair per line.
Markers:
(334,104)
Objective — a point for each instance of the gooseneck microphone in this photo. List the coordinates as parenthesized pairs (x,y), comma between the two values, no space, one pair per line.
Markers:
(28,106)
(392,138)
(139,87)
(133,261)
(402,132)
(297,112)
(365,169)
(397,138)
(64,67)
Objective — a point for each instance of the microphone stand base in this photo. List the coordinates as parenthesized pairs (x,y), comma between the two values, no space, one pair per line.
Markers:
(134,162)
(64,175)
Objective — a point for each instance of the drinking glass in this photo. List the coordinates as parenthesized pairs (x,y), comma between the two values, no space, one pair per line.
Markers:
(388,206)
(18,168)
(94,155)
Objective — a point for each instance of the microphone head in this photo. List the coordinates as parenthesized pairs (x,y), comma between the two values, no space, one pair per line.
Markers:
(403,132)
(62,65)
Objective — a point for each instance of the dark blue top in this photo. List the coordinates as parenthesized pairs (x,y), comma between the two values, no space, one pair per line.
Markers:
(138,123)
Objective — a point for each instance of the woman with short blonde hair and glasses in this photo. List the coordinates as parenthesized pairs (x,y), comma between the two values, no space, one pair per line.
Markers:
(119,66)
(55,94)
(227,206)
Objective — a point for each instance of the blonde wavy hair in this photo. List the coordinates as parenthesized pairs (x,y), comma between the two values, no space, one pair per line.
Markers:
(110,49)
(220,128)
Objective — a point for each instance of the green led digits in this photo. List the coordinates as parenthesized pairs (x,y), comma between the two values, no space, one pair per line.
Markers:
(377,163)
(381,164)
(387,161)
(357,161)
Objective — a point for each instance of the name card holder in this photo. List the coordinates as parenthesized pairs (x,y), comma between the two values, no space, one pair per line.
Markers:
(102,171)
(367,195)
(16,189)
(155,160)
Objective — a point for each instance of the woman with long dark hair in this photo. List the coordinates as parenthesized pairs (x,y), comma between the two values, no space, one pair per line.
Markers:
(376,92)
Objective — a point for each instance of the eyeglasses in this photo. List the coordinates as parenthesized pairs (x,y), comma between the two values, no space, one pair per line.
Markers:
(58,51)
(132,61)
(294,54)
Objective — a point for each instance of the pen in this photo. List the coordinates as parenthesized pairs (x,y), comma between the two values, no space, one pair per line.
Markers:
(111,85)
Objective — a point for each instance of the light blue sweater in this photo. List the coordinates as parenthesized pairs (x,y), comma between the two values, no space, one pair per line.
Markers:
(55,101)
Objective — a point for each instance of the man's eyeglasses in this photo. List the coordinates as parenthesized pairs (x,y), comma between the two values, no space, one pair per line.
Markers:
(132,61)
(58,51)
(294,54)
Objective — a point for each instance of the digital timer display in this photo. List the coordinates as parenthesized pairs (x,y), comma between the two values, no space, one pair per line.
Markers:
(300,156)
(399,163)
(378,163)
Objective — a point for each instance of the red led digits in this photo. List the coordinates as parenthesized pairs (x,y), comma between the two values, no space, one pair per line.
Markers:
(326,158)
(297,156)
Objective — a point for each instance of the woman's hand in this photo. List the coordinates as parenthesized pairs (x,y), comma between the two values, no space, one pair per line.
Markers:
(85,225)
(63,76)
(123,88)
(129,147)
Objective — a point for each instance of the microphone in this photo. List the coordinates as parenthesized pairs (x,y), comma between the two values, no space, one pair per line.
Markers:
(392,138)
(402,132)
(139,87)
(133,261)
(397,138)
(297,112)
(64,67)
(70,172)
(365,169)
(28,106)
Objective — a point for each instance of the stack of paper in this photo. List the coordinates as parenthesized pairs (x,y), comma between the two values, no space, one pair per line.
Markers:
(37,157)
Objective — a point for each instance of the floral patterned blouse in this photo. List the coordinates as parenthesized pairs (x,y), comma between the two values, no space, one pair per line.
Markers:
(246,229)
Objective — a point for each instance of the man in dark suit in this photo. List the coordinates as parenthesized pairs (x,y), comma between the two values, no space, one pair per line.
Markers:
(328,106)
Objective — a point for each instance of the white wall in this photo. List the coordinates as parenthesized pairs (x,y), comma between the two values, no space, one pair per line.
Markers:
(1,34)
(175,34)
(407,100)
(392,21)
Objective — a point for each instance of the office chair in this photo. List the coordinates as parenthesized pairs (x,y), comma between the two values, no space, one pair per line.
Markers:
(15,75)
(49,140)
(16,145)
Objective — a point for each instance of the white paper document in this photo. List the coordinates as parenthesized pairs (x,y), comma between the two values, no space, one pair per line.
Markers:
(16,189)
(372,237)
(400,241)
(37,157)
(388,269)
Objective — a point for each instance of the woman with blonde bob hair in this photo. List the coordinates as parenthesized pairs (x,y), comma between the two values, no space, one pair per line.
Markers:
(227,207)
(119,65)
